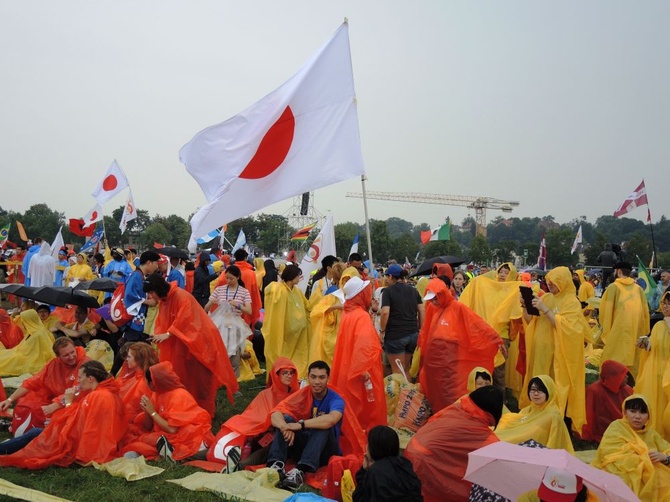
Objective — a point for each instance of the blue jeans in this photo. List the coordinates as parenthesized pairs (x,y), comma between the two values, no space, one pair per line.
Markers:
(15,444)
(312,447)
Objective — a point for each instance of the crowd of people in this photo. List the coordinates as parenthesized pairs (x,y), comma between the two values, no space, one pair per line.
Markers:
(477,341)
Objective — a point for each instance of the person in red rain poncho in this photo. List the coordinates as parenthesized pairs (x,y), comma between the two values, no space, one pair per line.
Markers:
(357,363)
(10,333)
(189,339)
(132,384)
(604,399)
(439,450)
(453,341)
(88,429)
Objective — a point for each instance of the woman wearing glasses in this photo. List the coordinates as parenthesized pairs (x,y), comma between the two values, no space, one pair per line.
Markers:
(541,420)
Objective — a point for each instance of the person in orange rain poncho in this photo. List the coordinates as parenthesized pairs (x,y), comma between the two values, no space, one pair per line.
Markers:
(189,339)
(33,352)
(453,341)
(286,326)
(88,429)
(357,365)
(555,344)
(636,453)
(326,315)
(541,420)
(132,384)
(171,412)
(253,422)
(41,394)
(604,399)
(653,379)
(586,289)
(10,334)
(439,450)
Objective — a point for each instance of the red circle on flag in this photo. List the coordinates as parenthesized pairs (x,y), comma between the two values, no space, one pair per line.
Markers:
(273,148)
(94,215)
(110,183)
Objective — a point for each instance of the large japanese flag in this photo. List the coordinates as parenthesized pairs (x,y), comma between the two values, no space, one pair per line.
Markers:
(113,182)
(302,136)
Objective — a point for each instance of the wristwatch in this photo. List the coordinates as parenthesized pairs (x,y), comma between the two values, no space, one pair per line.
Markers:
(302,424)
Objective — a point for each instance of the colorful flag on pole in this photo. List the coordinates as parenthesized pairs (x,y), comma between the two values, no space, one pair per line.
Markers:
(645,280)
(209,236)
(93,216)
(240,242)
(4,234)
(442,233)
(303,233)
(542,257)
(354,245)
(271,150)
(113,182)
(578,240)
(93,241)
(22,231)
(636,199)
(651,262)
(58,243)
(323,245)
(129,212)
(77,228)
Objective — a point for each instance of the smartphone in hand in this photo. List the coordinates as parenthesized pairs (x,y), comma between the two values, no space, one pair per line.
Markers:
(527,295)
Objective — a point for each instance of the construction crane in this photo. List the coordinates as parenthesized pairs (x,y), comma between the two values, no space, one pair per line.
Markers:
(479,204)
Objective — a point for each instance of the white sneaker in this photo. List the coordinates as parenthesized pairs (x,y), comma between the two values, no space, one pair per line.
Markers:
(294,479)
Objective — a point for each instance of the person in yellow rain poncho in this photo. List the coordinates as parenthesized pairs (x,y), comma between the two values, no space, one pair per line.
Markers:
(259,265)
(249,365)
(494,297)
(326,314)
(586,289)
(33,352)
(541,420)
(654,376)
(421,285)
(624,316)
(481,377)
(80,271)
(636,453)
(286,325)
(555,344)
(322,281)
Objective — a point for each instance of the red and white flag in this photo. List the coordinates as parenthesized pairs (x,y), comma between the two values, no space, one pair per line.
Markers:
(302,136)
(129,212)
(578,240)
(93,216)
(636,199)
(542,257)
(113,182)
(323,245)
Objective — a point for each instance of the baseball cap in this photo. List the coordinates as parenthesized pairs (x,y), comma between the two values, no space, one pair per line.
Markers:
(559,485)
(429,296)
(394,270)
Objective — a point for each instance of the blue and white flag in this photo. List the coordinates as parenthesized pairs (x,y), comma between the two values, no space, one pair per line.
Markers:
(93,241)
(354,246)
(240,242)
(206,238)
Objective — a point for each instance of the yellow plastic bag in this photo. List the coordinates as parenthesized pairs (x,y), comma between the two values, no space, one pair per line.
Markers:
(347,486)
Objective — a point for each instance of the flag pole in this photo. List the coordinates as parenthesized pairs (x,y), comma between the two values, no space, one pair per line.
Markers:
(653,242)
(367,223)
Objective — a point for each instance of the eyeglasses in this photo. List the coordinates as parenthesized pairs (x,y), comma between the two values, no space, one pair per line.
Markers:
(287,373)
(536,390)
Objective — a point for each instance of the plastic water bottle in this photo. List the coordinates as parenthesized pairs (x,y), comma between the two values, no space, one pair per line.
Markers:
(246,451)
(369,391)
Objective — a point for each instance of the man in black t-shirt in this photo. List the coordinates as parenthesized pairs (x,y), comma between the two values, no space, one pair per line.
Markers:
(402,313)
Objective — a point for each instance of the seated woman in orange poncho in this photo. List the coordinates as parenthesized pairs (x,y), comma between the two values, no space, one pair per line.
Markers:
(87,429)
(636,453)
(541,420)
(453,341)
(252,423)
(357,365)
(141,356)
(170,412)
(33,352)
(10,334)
(604,399)
(439,450)
(189,339)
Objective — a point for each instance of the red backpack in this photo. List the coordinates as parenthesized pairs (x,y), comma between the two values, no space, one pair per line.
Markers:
(117,308)
(332,487)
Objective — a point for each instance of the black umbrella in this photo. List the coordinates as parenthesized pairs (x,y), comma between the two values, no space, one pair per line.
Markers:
(427,266)
(98,284)
(52,295)
(173,252)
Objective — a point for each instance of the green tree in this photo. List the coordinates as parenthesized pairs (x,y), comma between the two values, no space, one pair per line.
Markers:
(403,247)
(504,251)
(113,232)
(479,250)
(442,248)
(559,242)
(40,221)
(638,245)
(156,232)
(177,227)
(397,227)
(344,238)
(271,229)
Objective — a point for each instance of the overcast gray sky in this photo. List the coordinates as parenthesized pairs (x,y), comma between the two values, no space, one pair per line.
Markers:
(562,106)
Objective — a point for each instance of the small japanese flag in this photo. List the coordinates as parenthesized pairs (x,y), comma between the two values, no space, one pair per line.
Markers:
(92,216)
(129,212)
(113,182)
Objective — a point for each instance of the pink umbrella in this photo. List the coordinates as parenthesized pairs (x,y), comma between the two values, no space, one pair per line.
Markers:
(511,470)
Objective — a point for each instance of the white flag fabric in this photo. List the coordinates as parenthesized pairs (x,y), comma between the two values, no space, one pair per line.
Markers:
(57,244)
(92,216)
(354,246)
(129,212)
(300,137)
(323,245)
(113,182)
(578,240)
(240,242)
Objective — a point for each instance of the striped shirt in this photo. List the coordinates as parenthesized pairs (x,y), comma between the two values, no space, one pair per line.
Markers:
(223,294)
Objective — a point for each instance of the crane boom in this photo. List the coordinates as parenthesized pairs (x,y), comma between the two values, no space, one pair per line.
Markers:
(479,204)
